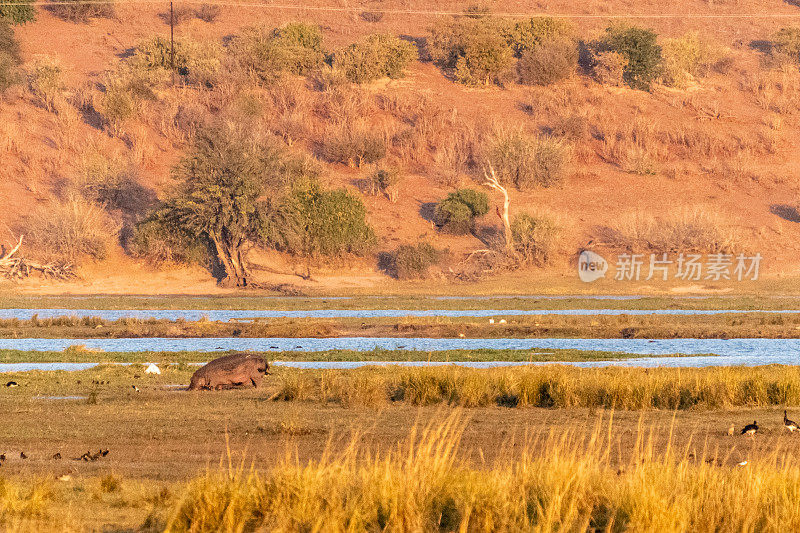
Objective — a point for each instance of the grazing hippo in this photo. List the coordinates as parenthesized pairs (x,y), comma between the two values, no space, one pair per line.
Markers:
(235,370)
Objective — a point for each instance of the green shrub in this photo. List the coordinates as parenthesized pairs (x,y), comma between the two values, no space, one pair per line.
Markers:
(379,55)
(638,47)
(80,11)
(527,160)
(414,261)
(295,48)
(474,50)
(787,42)
(353,145)
(551,61)
(457,213)
(527,35)
(67,230)
(534,237)
(686,58)
(312,221)
(17,11)
(160,242)
(197,62)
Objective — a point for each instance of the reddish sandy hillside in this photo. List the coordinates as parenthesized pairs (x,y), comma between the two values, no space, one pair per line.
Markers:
(721,147)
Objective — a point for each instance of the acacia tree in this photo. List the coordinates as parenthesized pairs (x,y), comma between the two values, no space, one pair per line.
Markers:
(221,197)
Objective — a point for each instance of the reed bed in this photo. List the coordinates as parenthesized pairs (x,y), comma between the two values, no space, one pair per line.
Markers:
(548,387)
(570,483)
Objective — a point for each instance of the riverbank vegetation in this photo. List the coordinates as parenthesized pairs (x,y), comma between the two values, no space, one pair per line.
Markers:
(715,326)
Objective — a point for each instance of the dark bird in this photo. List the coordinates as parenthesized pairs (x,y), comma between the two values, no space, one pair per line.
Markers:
(134,387)
(95,456)
(57,456)
(12,384)
(22,455)
(750,429)
(791,425)
(103,452)
(2,459)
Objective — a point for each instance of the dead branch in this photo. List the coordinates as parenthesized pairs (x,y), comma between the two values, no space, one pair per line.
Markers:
(494,183)
(17,267)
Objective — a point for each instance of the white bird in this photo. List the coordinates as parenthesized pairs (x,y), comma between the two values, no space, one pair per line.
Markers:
(152,369)
(743,463)
(502,320)
(65,477)
(491,321)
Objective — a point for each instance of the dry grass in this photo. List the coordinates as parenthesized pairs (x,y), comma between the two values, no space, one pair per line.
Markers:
(550,387)
(67,230)
(567,482)
(687,231)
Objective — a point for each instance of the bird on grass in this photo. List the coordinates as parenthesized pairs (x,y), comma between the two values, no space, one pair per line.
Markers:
(2,458)
(731,430)
(791,425)
(750,429)
(134,387)
(12,384)
(22,455)
(57,456)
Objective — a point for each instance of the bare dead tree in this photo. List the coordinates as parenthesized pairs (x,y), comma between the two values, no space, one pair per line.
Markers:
(494,183)
(13,267)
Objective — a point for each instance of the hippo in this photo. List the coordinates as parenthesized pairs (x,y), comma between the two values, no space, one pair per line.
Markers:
(234,370)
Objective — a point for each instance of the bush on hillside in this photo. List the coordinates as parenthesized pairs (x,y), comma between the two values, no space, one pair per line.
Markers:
(551,61)
(526,160)
(159,242)
(208,12)
(81,11)
(67,230)
(474,50)
(196,62)
(8,43)
(534,238)
(456,214)
(377,56)
(313,221)
(687,58)
(45,82)
(787,42)
(17,11)
(9,57)
(265,53)
(415,261)
(608,68)
(527,35)
(385,181)
(638,47)
(353,144)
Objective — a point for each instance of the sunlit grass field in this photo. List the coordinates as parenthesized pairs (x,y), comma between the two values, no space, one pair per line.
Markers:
(566,480)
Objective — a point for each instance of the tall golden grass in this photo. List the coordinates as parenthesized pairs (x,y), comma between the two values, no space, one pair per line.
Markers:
(551,386)
(568,481)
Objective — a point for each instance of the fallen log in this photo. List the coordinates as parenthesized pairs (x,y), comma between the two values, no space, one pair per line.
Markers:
(12,267)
